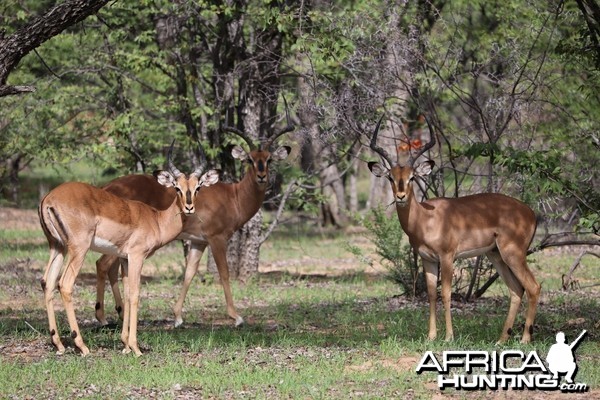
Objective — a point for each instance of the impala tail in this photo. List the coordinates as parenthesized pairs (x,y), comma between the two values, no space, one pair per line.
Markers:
(53,228)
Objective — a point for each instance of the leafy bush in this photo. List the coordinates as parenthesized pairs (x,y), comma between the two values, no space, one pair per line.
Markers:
(471,275)
(393,249)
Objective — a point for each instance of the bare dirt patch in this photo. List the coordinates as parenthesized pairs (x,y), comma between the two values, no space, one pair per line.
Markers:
(15,218)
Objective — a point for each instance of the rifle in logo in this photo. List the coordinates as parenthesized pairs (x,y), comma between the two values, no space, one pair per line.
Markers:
(561,357)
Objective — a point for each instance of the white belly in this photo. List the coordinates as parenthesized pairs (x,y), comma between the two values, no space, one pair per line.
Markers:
(192,237)
(105,247)
(475,252)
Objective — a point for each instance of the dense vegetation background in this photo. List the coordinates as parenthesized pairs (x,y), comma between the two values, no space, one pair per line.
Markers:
(508,90)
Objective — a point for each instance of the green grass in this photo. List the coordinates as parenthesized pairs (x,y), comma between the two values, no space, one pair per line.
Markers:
(308,335)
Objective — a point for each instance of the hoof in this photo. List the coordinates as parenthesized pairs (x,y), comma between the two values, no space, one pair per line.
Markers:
(178,322)
(126,350)
(239,321)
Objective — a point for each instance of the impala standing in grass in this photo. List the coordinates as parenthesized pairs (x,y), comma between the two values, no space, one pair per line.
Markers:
(221,210)
(442,230)
(77,217)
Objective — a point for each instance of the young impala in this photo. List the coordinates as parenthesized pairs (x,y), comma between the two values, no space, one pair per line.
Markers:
(442,230)
(221,210)
(77,217)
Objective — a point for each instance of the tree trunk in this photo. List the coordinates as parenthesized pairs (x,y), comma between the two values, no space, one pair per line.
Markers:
(353,186)
(243,250)
(11,191)
(334,202)
(322,158)
(255,63)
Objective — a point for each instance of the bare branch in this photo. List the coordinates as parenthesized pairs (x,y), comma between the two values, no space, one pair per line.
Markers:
(567,282)
(284,197)
(8,90)
(14,47)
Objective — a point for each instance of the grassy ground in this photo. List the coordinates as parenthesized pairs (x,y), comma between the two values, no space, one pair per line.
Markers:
(319,325)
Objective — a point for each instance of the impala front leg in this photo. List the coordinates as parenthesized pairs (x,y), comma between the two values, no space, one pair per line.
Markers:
(431,278)
(135,271)
(126,293)
(219,250)
(191,267)
(446,266)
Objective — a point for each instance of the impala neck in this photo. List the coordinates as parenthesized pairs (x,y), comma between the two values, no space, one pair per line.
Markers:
(170,221)
(250,195)
(410,214)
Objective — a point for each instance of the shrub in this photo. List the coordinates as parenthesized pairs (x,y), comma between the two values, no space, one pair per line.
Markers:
(392,246)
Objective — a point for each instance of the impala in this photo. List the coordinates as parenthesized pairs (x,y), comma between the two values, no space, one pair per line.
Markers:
(442,230)
(77,217)
(221,210)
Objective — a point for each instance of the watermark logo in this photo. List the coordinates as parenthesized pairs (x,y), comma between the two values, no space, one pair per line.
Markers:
(509,369)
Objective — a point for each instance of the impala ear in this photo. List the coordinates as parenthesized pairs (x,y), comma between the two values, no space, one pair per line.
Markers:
(424,168)
(165,178)
(209,178)
(281,153)
(377,169)
(239,153)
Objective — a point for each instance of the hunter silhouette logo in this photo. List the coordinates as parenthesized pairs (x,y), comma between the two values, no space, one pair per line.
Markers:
(508,369)
(561,358)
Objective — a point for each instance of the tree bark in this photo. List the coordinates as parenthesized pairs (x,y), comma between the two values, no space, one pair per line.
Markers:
(14,47)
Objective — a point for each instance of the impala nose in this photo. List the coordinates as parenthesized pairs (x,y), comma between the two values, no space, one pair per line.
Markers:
(400,198)
(189,204)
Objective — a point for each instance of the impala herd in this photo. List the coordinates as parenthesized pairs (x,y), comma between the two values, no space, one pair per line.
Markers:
(131,217)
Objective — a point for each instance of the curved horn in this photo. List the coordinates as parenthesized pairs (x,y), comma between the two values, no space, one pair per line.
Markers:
(197,172)
(378,149)
(239,133)
(172,169)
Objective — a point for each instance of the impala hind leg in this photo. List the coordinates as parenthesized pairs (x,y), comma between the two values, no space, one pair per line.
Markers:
(515,257)
(67,281)
(113,278)
(191,267)
(48,285)
(106,266)
(515,289)
(219,252)
(431,278)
